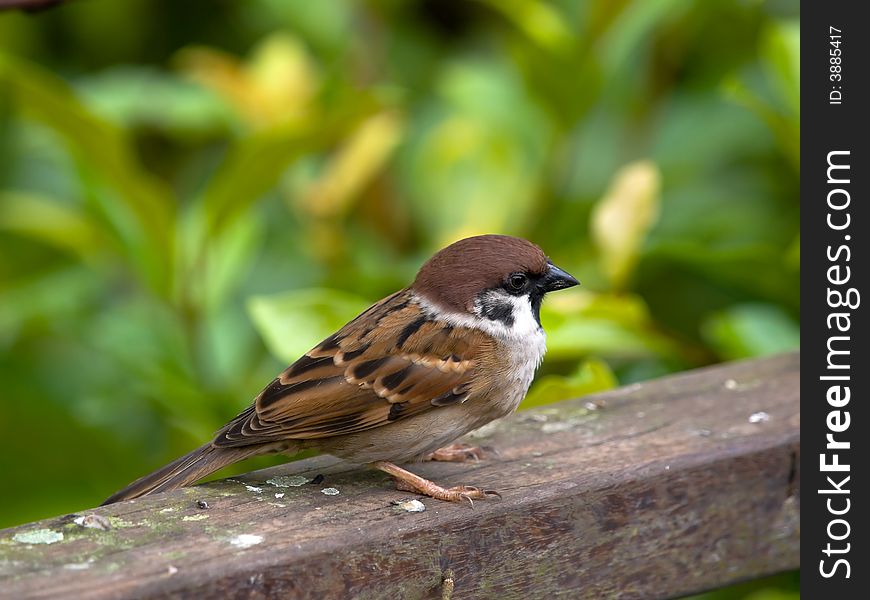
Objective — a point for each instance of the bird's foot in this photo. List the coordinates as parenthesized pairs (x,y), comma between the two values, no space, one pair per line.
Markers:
(460,453)
(409,482)
(459,493)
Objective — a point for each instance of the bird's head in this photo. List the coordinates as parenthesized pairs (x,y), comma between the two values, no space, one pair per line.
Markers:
(498,278)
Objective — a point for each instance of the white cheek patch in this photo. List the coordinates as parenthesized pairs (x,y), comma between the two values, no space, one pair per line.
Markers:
(505,315)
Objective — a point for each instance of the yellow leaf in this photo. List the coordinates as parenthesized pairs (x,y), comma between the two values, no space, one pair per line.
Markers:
(623,217)
(540,21)
(277,85)
(360,159)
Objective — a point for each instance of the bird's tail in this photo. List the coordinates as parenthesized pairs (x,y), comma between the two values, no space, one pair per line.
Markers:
(183,471)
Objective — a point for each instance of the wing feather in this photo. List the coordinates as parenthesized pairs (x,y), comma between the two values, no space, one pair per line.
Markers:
(357,380)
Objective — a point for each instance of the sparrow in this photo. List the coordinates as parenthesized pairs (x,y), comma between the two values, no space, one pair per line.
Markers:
(455,350)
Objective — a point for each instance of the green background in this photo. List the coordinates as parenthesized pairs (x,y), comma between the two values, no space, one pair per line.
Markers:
(194,193)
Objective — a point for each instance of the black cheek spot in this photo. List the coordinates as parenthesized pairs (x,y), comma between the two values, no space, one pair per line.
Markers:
(499,311)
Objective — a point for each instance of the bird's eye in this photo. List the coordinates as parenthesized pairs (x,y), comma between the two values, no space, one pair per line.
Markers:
(517,281)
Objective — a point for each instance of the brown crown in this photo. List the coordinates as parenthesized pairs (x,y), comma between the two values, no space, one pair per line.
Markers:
(455,275)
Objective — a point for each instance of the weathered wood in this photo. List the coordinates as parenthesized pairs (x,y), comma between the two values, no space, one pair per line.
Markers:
(654,490)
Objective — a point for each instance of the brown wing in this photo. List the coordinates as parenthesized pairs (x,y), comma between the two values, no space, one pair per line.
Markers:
(354,381)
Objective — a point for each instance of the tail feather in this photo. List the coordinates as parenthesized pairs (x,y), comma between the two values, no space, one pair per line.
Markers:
(183,471)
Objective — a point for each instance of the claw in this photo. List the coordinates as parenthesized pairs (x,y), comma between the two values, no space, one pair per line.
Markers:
(405,480)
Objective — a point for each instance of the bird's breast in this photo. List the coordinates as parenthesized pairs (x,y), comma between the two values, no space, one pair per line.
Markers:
(508,382)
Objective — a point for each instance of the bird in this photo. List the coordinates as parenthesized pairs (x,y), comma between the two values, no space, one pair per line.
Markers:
(414,372)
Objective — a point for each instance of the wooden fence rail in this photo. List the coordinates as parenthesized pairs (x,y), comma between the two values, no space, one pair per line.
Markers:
(654,490)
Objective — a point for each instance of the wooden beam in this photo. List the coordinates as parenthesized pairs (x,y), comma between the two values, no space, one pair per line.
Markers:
(654,490)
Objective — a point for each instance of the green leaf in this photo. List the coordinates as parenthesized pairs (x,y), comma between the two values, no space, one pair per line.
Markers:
(292,323)
(210,269)
(480,147)
(252,167)
(749,330)
(582,323)
(592,376)
(539,21)
(780,110)
(229,258)
(793,254)
(324,24)
(637,21)
(104,150)
(35,299)
(781,49)
(148,98)
(48,221)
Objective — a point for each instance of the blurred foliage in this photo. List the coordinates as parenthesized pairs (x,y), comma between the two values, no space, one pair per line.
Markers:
(192,194)
(785,586)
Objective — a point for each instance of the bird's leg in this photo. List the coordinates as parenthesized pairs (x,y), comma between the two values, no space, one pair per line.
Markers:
(407,481)
(460,453)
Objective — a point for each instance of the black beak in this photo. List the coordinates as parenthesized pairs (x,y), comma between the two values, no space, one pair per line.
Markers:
(557,279)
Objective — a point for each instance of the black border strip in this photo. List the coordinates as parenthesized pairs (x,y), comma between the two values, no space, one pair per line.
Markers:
(834,227)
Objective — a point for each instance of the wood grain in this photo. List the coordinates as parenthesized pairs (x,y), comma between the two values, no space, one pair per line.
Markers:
(654,490)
